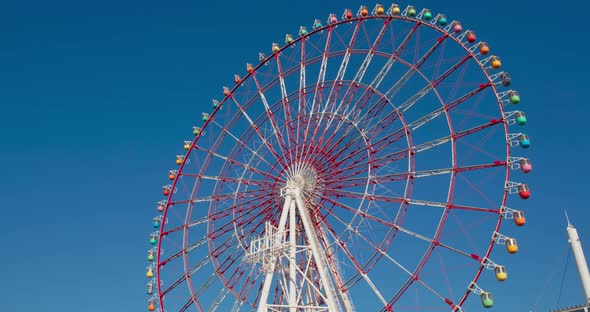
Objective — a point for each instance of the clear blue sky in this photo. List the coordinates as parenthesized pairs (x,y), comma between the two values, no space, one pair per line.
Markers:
(96,99)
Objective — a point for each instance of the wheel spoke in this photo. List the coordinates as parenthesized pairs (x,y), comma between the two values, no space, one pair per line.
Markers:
(260,135)
(351,181)
(271,117)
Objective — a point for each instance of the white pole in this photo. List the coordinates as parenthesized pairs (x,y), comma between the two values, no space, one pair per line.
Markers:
(345,299)
(293,258)
(316,251)
(269,274)
(580,259)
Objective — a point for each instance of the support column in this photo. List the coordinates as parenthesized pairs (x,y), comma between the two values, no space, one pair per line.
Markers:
(574,239)
(316,251)
(269,274)
(292,258)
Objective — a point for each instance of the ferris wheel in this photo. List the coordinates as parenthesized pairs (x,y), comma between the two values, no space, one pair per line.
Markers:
(365,165)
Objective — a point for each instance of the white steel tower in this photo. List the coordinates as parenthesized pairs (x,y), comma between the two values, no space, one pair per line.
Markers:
(292,258)
(580,259)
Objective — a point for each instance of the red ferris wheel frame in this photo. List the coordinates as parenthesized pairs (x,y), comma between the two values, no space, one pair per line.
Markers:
(461,40)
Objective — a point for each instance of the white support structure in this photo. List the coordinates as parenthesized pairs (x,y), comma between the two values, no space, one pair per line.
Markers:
(574,241)
(510,117)
(292,258)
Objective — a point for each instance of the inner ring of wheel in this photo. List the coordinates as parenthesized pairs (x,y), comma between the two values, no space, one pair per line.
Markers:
(316,166)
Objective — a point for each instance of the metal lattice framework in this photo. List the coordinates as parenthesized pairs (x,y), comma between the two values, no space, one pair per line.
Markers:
(364,164)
